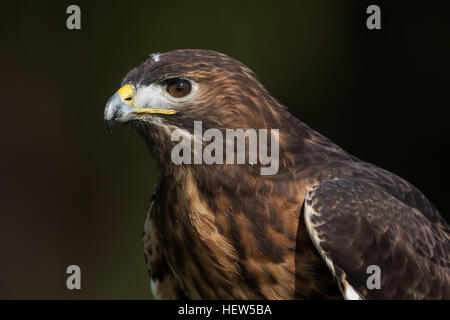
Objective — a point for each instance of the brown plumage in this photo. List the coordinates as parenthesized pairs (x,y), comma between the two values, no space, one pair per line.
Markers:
(227,232)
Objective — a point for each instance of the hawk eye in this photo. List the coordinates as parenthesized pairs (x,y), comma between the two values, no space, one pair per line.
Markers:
(178,88)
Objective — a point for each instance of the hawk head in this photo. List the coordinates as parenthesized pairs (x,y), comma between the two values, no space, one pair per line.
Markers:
(172,90)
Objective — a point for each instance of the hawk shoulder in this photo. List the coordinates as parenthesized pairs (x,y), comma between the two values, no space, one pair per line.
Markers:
(354,224)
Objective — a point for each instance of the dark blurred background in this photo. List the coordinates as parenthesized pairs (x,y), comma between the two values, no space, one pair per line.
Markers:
(70,194)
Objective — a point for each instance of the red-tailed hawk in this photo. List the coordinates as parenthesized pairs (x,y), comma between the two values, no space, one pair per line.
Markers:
(314,229)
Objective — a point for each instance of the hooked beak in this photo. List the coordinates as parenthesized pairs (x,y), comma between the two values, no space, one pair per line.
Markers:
(120,108)
(116,110)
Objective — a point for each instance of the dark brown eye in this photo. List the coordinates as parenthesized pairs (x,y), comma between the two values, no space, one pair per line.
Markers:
(178,88)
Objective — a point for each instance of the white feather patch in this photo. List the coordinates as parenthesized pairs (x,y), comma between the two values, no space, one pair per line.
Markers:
(155,57)
(350,293)
(154,286)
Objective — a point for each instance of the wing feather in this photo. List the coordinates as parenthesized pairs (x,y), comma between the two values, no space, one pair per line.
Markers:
(354,224)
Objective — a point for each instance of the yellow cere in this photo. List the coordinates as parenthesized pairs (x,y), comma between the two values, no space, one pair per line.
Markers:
(126,93)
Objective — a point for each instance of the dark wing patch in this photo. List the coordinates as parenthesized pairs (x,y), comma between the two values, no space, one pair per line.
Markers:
(354,225)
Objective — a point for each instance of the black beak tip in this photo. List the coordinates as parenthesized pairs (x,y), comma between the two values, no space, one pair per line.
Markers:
(109,126)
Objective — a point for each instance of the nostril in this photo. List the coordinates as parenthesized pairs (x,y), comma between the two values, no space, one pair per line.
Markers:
(128,98)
